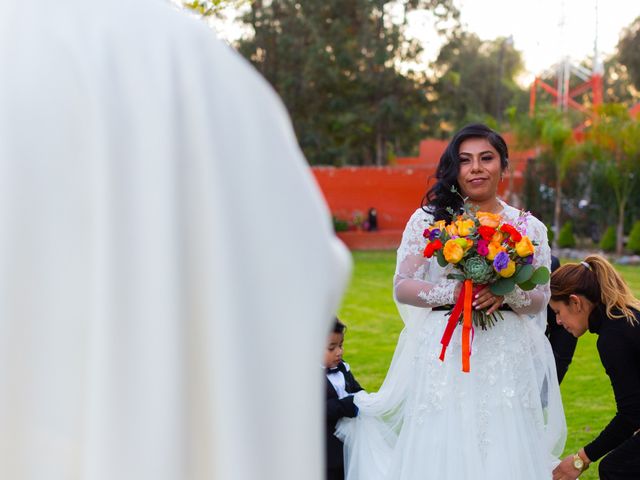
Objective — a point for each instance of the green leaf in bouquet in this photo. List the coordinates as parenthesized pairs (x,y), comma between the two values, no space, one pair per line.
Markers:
(456,276)
(503,286)
(526,286)
(441,260)
(540,276)
(523,273)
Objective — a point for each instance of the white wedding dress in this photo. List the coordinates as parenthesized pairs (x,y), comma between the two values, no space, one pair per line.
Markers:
(429,420)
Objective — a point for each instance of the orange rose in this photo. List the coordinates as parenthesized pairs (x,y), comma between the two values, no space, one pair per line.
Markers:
(498,237)
(465,227)
(494,249)
(489,219)
(452,251)
(469,245)
(524,247)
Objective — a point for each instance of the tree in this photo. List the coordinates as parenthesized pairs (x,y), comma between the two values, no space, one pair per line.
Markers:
(614,142)
(336,66)
(629,53)
(475,80)
(207,8)
(551,131)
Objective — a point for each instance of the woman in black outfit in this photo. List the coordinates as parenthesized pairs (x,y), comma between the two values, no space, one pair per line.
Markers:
(592,295)
(562,342)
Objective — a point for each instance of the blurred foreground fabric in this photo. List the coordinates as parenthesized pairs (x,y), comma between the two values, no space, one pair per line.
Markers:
(163,247)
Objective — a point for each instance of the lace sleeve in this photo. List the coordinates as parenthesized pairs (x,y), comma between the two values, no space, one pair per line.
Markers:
(535,300)
(420,281)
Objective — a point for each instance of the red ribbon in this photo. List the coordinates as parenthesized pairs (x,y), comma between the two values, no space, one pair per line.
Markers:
(462,306)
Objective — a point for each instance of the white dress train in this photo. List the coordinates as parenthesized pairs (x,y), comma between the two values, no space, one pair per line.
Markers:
(429,420)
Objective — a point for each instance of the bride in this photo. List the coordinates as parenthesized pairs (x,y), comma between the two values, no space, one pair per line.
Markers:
(429,420)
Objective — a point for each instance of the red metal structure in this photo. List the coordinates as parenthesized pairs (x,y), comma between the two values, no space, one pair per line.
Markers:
(565,96)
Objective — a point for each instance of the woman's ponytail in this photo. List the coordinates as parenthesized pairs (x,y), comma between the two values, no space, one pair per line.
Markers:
(615,294)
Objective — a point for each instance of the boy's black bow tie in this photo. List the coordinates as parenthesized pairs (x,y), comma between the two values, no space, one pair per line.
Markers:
(333,370)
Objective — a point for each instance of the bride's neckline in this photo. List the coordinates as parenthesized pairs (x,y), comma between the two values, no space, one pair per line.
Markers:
(502,207)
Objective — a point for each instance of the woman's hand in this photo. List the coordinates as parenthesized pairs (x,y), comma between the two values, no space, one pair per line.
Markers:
(485,300)
(565,470)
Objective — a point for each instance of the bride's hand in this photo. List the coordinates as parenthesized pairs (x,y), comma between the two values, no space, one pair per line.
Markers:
(485,300)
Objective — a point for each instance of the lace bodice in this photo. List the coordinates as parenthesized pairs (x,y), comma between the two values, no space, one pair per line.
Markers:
(421,282)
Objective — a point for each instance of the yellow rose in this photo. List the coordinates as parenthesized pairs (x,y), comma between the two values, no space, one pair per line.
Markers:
(440,225)
(509,270)
(494,249)
(452,251)
(465,227)
(452,230)
(489,219)
(524,247)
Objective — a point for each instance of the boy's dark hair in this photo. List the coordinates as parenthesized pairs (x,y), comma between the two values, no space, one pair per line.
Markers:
(338,326)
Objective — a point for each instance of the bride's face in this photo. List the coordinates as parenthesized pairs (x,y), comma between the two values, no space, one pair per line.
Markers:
(480,169)
(572,315)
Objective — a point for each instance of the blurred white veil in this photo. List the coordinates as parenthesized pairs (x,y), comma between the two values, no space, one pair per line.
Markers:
(163,246)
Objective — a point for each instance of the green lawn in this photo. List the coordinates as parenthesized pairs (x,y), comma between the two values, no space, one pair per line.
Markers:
(374,324)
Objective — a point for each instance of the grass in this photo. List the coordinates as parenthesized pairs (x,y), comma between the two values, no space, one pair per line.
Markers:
(374,324)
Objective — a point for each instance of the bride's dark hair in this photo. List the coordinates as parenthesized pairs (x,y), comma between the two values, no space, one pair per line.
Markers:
(439,197)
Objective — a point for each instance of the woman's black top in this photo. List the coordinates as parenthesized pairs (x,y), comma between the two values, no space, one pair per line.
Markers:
(619,349)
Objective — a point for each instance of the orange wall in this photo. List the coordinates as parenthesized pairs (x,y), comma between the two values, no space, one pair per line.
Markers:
(395,192)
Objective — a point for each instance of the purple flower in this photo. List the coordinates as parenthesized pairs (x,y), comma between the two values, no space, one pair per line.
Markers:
(528,260)
(483,247)
(435,233)
(501,261)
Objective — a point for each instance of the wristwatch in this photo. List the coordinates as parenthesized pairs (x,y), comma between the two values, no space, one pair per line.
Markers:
(578,463)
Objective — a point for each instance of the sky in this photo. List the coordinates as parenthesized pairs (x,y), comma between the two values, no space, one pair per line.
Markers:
(534,26)
(536,30)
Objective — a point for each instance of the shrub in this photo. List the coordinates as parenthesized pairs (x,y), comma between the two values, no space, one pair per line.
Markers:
(550,234)
(633,243)
(608,240)
(565,237)
(340,225)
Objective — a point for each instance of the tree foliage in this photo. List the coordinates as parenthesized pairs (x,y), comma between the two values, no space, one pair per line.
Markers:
(335,65)
(629,51)
(551,132)
(475,80)
(208,8)
(614,143)
(634,238)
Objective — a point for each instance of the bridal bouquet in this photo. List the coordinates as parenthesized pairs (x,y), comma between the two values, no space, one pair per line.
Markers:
(484,250)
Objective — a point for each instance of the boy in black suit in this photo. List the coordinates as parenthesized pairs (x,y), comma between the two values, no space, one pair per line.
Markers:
(341,385)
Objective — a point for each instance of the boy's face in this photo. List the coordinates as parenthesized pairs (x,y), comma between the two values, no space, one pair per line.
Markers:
(333,353)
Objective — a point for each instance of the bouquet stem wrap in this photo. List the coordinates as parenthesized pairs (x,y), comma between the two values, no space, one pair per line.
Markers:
(462,306)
